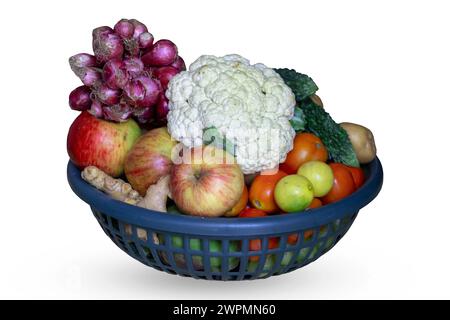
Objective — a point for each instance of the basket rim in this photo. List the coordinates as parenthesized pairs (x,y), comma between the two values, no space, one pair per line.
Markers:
(231,228)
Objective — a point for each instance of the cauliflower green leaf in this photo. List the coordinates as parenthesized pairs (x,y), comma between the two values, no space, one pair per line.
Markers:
(298,121)
(213,136)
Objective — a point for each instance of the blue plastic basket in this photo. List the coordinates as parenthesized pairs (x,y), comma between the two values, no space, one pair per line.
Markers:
(218,248)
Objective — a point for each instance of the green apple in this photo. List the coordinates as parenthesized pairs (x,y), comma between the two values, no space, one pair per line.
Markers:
(268,265)
(294,193)
(215,246)
(319,174)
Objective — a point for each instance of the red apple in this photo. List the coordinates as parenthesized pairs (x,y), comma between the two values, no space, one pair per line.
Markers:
(149,159)
(101,143)
(205,186)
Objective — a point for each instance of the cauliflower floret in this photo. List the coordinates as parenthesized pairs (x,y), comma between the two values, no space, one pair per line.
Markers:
(250,105)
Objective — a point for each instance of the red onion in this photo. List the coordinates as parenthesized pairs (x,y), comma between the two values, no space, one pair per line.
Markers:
(82,60)
(134,66)
(144,115)
(106,95)
(163,53)
(143,91)
(119,112)
(96,109)
(139,28)
(164,74)
(132,44)
(101,32)
(79,98)
(106,44)
(127,75)
(179,64)
(134,91)
(90,76)
(162,108)
(115,74)
(145,40)
(124,28)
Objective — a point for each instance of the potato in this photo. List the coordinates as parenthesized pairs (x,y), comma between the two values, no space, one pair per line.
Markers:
(316,99)
(362,141)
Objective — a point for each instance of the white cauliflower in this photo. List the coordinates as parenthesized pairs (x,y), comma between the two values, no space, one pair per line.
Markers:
(250,105)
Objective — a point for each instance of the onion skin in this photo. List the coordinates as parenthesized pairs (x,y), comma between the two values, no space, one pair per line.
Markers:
(162,108)
(144,115)
(179,64)
(132,44)
(106,95)
(134,91)
(80,61)
(90,76)
(106,44)
(152,90)
(124,28)
(80,98)
(131,47)
(134,67)
(102,30)
(96,109)
(164,74)
(119,112)
(115,74)
(139,28)
(163,53)
(145,40)
(143,91)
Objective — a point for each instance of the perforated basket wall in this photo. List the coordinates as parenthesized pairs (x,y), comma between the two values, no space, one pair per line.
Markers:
(226,248)
(223,258)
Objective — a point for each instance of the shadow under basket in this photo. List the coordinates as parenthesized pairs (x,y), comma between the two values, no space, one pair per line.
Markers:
(219,248)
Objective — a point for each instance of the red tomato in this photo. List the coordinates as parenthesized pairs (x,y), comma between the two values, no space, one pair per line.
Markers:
(307,235)
(307,147)
(252,213)
(343,184)
(358,176)
(256,245)
(261,194)
(316,203)
(292,239)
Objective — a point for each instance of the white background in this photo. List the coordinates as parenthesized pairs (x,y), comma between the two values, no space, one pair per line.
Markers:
(384,64)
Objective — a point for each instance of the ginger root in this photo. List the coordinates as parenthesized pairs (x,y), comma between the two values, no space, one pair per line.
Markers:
(116,188)
(155,198)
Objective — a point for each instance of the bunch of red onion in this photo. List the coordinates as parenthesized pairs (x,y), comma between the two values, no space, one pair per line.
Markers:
(127,76)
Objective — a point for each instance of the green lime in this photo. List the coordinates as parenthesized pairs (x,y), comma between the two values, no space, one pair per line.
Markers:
(294,193)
